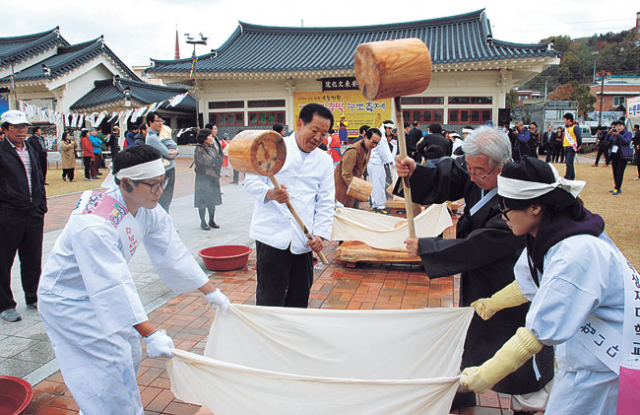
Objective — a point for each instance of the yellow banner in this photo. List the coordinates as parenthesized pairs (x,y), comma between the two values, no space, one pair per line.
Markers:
(357,109)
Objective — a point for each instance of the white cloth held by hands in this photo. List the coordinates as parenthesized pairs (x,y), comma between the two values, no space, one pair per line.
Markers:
(159,344)
(218,299)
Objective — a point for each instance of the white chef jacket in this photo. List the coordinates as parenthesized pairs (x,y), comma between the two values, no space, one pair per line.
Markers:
(89,304)
(308,178)
(381,154)
(582,276)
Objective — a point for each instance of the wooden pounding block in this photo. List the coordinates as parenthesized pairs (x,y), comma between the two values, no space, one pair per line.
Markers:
(392,68)
(257,152)
(360,189)
(354,251)
(398,207)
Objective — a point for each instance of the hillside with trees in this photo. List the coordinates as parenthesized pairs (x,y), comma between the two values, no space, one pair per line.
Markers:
(614,53)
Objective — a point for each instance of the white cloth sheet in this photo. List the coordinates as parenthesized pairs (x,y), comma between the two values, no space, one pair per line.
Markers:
(387,232)
(273,360)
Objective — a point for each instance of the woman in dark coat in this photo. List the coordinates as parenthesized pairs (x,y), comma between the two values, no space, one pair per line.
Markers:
(208,160)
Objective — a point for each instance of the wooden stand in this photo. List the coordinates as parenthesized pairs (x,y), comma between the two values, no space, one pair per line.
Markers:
(353,252)
(398,208)
(360,189)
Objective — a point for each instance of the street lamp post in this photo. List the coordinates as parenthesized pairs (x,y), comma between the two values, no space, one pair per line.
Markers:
(602,74)
(192,41)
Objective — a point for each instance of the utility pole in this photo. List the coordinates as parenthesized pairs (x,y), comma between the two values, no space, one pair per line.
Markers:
(194,42)
(13,87)
(601,96)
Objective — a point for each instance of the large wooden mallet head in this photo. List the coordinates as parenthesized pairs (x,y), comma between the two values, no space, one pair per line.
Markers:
(257,152)
(392,68)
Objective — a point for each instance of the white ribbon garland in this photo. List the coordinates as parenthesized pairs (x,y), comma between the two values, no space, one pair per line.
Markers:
(523,190)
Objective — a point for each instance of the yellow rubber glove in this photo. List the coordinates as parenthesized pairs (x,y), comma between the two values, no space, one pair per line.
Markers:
(509,296)
(513,354)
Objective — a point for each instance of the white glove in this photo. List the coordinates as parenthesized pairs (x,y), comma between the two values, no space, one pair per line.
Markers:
(159,344)
(218,300)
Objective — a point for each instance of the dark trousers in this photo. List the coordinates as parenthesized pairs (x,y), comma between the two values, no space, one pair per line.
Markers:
(636,161)
(557,154)
(44,166)
(569,159)
(236,176)
(97,159)
(22,233)
(87,167)
(69,173)
(284,279)
(618,164)
(167,194)
(601,151)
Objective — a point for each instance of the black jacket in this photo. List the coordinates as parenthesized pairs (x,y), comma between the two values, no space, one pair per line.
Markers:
(14,187)
(434,146)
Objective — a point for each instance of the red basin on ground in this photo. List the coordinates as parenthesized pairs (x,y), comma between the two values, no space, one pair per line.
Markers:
(15,395)
(225,257)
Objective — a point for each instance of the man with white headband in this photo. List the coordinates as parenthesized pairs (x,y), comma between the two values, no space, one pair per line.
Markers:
(380,156)
(484,251)
(87,298)
(581,290)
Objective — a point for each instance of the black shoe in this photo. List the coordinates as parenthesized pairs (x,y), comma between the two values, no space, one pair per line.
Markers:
(33,306)
(214,225)
(204,226)
(46,184)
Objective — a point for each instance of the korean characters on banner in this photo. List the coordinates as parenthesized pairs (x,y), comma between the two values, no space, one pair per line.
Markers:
(356,109)
(633,112)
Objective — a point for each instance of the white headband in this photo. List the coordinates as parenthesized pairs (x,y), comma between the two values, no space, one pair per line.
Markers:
(467,131)
(142,171)
(524,190)
(389,125)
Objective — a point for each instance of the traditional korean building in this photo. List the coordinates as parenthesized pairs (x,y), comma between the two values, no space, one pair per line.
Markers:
(262,74)
(46,72)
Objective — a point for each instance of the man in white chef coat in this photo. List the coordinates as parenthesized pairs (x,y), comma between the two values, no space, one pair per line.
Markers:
(283,254)
(87,298)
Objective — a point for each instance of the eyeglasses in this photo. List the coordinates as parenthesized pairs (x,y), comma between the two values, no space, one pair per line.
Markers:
(504,211)
(154,188)
(374,143)
(477,176)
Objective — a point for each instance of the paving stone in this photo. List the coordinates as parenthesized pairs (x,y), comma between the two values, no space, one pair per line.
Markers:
(12,345)
(34,331)
(41,352)
(17,368)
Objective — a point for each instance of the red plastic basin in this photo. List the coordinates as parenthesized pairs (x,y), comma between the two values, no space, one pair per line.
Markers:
(225,257)
(15,395)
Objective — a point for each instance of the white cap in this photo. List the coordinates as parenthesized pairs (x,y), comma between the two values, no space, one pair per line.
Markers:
(14,117)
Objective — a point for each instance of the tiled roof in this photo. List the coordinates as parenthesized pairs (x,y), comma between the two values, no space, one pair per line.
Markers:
(253,48)
(68,58)
(112,92)
(18,48)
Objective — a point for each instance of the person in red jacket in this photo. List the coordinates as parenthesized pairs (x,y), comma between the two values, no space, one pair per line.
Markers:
(87,154)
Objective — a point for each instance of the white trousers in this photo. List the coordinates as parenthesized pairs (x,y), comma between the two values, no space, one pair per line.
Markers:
(377,177)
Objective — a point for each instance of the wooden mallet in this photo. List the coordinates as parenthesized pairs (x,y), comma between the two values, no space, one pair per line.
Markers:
(264,153)
(390,69)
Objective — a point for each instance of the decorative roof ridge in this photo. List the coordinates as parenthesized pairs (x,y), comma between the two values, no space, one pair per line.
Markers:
(33,36)
(48,36)
(245,27)
(80,46)
(183,60)
(136,83)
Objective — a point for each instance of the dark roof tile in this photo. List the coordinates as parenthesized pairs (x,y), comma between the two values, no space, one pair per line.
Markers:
(19,48)
(254,48)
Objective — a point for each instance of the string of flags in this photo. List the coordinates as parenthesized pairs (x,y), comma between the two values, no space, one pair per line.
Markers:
(77,120)
(194,62)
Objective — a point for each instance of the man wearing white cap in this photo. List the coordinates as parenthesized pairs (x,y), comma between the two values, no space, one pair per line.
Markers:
(380,155)
(87,298)
(23,203)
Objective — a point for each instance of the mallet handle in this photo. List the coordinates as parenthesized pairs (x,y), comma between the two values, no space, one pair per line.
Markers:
(276,184)
(402,144)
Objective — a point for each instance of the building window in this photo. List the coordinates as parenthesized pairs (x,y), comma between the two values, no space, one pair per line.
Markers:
(266,103)
(617,101)
(225,104)
(222,119)
(422,116)
(471,100)
(469,116)
(422,101)
(266,118)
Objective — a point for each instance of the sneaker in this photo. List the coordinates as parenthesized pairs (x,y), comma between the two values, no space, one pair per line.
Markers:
(594,165)
(617,192)
(32,306)
(11,315)
(86,179)
(636,178)
(613,190)
(64,179)
(605,166)
(94,178)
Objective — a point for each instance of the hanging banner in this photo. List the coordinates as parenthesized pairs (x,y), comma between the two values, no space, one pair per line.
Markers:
(357,109)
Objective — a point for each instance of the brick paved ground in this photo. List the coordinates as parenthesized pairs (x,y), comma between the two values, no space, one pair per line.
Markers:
(187,318)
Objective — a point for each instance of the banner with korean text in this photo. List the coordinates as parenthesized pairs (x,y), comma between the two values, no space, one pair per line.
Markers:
(357,109)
